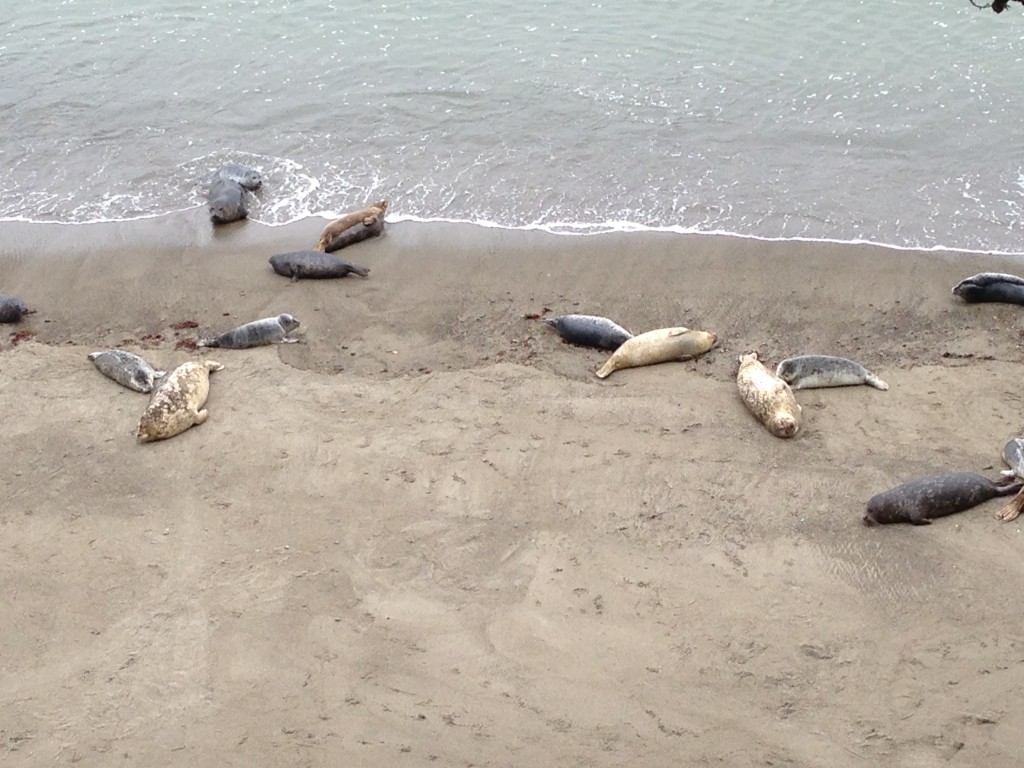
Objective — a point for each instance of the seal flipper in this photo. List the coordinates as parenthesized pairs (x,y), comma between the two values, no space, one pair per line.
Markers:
(916,519)
(873,381)
(1012,509)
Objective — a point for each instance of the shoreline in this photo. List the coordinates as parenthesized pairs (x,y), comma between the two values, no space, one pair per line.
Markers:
(430,532)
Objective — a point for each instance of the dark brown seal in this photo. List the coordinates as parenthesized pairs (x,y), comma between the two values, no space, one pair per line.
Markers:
(12,309)
(920,501)
(355,234)
(299,265)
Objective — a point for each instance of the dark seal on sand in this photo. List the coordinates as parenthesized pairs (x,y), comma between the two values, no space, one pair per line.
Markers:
(589,331)
(355,234)
(12,309)
(991,287)
(226,201)
(920,501)
(315,265)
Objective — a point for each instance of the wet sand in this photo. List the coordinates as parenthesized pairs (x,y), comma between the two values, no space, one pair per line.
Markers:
(430,535)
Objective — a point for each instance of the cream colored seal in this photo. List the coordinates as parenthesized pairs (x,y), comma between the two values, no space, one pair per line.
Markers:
(176,402)
(658,346)
(768,397)
(368,216)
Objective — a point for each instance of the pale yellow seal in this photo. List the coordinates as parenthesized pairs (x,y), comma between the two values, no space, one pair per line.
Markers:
(368,216)
(176,402)
(658,346)
(768,397)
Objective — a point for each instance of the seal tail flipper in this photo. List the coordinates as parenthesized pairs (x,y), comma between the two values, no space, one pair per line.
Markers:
(606,370)
(361,271)
(873,381)
(1012,509)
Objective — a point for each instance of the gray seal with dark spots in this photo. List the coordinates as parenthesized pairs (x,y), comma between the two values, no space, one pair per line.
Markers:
(127,369)
(355,234)
(269,330)
(811,371)
(226,201)
(991,287)
(316,265)
(12,309)
(246,177)
(920,501)
(589,331)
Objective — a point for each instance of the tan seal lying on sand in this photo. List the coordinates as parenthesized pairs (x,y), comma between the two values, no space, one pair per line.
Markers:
(367,216)
(1013,455)
(175,404)
(658,346)
(768,397)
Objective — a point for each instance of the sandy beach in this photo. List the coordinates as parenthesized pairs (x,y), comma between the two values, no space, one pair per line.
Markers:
(429,535)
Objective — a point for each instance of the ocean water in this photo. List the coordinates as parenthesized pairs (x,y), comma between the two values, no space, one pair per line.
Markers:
(879,120)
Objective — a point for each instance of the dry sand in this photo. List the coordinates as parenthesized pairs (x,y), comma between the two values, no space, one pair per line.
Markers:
(430,535)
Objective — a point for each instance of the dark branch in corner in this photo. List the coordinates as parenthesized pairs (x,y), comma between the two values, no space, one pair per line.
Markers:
(996,5)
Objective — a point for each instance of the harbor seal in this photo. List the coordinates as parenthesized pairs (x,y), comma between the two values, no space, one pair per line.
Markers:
(269,330)
(226,201)
(768,397)
(246,177)
(368,216)
(356,234)
(658,346)
(1013,455)
(12,309)
(127,369)
(589,331)
(176,402)
(299,265)
(920,501)
(811,371)
(991,287)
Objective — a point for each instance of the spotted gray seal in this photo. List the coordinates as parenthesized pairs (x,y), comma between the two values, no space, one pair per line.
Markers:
(226,201)
(768,397)
(589,331)
(177,402)
(299,265)
(246,177)
(368,216)
(356,234)
(811,371)
(920,501)
(658,346)
(127,369)
(269,330)
(12,309)
(991,287)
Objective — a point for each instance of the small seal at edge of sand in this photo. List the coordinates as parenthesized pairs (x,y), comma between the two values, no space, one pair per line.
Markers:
(920,501)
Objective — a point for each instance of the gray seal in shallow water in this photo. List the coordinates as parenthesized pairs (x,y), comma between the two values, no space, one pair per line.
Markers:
(127,369)
(247,178)
(226,201)
(12,309)
(316,265)
(810,371)
(589,331)
(176,403)
(269,330)
(991,287)
(920,501)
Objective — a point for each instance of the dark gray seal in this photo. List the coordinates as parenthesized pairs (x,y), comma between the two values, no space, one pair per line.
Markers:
(589,331)
(246,177)
(269,330)
(127,369)
(991,287)
(226,201)
(305,265)
(12,309)
(920,501)
(355,234)
(811,371)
